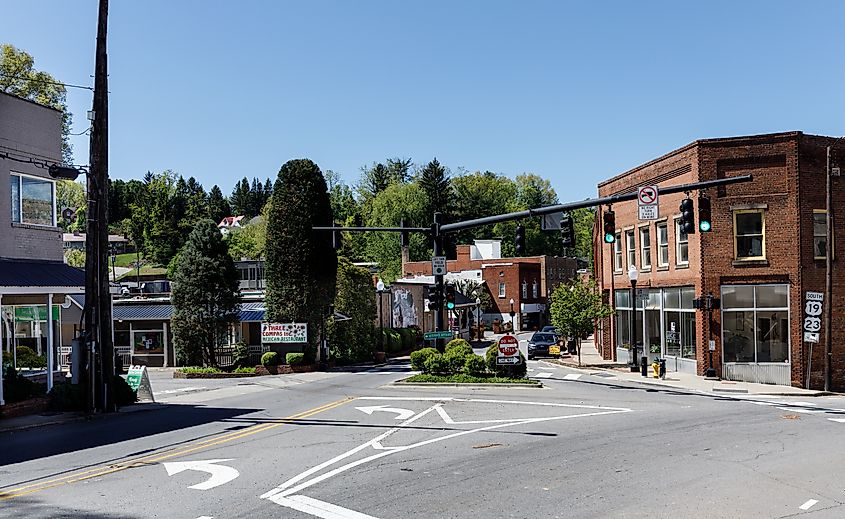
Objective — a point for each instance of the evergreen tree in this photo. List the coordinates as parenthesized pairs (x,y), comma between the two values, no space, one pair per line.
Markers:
(268,192)
(240,198)
(256,198)
(205,295)
(301,264)
(374,180)
(353,341)
(435,183)
(218,206)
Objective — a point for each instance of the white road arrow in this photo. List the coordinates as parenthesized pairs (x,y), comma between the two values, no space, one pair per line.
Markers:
(220,474)
(401,414)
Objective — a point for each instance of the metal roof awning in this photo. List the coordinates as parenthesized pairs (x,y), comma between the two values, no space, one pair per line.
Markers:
(142,312)
(39,277)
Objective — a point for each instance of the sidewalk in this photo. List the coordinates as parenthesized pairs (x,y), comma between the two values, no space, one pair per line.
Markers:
(591,360)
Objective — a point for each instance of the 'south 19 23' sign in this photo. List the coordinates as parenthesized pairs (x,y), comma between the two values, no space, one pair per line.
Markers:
(284,332)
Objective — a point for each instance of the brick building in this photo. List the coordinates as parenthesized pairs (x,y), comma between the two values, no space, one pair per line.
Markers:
(527,280)
(766,250)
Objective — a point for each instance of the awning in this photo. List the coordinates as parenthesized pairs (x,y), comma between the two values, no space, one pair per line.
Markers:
(39,277)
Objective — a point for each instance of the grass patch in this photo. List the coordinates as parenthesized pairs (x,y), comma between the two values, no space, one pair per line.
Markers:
(468,379)
(145,270)
(245,370)
(125,260)
(198,369)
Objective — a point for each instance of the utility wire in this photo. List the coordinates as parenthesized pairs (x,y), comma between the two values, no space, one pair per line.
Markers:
(48,82)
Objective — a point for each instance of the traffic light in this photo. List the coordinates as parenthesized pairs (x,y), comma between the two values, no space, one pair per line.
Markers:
(609,227)
(519,240)
(450,297)
(433,298)
(687,216)
(705,217)
(567,231)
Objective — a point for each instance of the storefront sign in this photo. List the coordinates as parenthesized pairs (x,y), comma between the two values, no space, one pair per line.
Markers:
(813,306)
(139,381)
(284,333)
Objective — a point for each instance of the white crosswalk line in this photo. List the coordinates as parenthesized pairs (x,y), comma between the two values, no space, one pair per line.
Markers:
(572,376)
(838,420)
(808,504)
(545,374)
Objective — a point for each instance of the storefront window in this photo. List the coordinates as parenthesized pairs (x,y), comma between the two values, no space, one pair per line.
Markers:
(755,323)
(149,342)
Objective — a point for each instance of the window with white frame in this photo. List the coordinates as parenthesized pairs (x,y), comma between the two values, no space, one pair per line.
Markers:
(819,234)
(630,248)
(662,245)
(749,235)
(681,245)
(501,289)
(33,200)
(645,248)
(617,253)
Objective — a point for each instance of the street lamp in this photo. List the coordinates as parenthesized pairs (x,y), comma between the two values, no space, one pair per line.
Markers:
(633,274)
(513,329)
(478,318)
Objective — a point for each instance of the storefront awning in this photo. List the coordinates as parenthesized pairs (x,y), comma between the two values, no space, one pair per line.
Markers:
(39,277)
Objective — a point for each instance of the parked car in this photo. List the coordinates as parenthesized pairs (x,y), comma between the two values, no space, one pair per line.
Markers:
(539,344)
(550,329)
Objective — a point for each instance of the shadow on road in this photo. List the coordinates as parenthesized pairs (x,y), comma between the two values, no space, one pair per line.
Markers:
(35,509)
(43,442)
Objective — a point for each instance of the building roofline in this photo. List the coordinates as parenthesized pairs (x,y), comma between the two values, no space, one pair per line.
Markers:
(701,142)
(36,103)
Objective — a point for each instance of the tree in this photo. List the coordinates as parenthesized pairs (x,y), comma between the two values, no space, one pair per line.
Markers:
(353,340)
(575,308)
(434,181)
(301,264)
(19,77)
(218,206)
(584,220)
(240,199)
(75,258)
(71,195)
(397,202)
(205,295)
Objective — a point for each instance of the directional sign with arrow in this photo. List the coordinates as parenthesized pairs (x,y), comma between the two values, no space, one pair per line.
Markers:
(401,414)
(220,474)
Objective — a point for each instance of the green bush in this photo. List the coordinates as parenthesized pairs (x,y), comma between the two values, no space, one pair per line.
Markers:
(67,397)
(199,369)
(27,358)
(459,345)
(419,357)
(455,358)
(409,338)
(123,394)
(245,369)
(393,343)
(463,378)
(437,365)
(271,358)
(17,387)
(295,359)
(518,371)
(475,365)
(240,354)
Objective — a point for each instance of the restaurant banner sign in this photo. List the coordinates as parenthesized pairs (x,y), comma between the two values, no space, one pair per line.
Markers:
(277,333)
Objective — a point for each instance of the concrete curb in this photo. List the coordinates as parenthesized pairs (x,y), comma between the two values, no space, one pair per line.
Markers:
(399,383)
(57,421)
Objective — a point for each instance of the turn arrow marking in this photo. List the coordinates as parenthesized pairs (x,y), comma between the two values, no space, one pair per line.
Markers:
(401,414)
(220,474)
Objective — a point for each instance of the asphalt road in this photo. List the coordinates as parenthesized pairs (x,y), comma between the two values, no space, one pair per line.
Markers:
(347,445)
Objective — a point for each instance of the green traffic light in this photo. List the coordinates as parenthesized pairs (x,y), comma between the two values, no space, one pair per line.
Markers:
(704,226)
(450,305)
(609,238)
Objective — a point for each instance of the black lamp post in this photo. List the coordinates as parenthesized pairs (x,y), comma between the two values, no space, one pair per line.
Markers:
(478,318)
(708,304)
(633,274)
(513,327)
(380,291)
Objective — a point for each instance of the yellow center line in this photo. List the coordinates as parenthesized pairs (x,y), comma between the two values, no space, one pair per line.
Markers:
(156,457)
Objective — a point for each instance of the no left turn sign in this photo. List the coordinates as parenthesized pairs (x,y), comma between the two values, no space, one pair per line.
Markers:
(647,195)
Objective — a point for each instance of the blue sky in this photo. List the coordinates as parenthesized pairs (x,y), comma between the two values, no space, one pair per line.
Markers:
(574,91)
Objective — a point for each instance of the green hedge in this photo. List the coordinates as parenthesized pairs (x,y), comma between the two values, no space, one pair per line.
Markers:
(437,364)
(474,365)
(419,357)
(271,358)
(295,359)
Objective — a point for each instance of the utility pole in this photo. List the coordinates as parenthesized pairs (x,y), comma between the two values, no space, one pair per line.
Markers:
(98,318)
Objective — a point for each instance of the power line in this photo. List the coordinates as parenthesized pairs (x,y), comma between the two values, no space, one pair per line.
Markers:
(48,82)
(37,163)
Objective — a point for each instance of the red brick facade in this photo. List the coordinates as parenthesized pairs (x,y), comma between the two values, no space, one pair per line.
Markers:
(789,179)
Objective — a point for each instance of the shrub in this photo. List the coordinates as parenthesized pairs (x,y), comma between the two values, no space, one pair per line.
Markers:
(436,365)
(459,345)
(419,357)
(67,397)
(27,358)
(17,388)
(123,394)
(295,359)
(246,369)
(240,354)
(474,365)
(199,369)
(455,358)
(409,338)
(271,358)
(393,343)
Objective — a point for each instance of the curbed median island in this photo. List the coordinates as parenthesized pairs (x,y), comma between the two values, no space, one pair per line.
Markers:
(460,365)
(295,363)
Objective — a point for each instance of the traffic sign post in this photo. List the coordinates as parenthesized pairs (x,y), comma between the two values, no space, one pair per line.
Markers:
(508,351)
(813,308)
(647,203)
(438,266)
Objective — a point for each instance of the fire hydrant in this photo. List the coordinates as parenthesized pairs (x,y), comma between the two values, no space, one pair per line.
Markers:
(655,367)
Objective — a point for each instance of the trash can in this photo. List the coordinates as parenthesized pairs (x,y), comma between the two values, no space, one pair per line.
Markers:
(572,346)
(662,368)
(644,366)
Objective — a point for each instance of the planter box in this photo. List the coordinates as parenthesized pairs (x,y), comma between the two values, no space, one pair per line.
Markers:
(284,369)
(25,407)
(179,374)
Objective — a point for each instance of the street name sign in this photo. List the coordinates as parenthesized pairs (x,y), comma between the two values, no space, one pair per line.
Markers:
(647,203)
(430,336)
(438,266)
(508,350)
(277,333)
